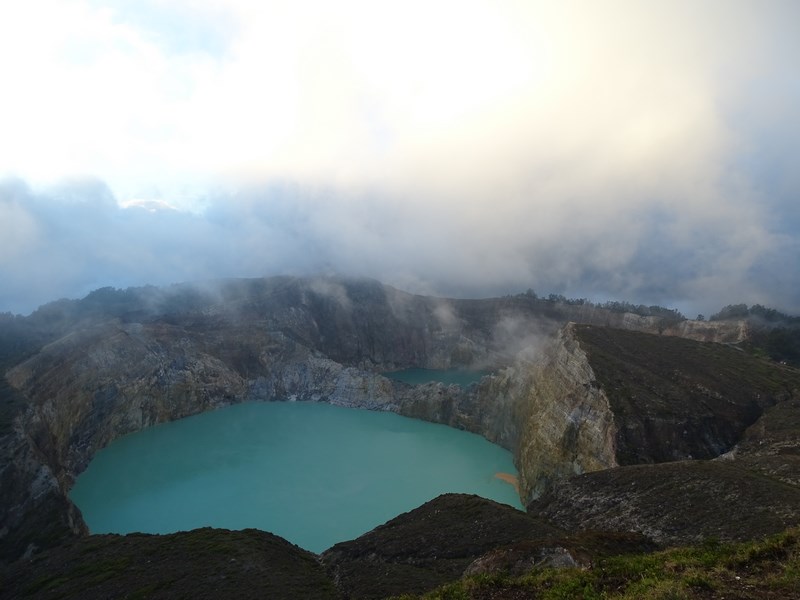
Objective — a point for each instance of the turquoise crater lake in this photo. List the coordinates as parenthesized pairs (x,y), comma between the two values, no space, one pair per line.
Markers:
(312,473)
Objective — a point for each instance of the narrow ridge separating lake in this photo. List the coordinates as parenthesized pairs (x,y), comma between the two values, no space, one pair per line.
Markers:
(312,473)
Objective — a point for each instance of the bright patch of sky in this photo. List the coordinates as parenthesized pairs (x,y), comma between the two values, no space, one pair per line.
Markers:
(176,27)
(624,149)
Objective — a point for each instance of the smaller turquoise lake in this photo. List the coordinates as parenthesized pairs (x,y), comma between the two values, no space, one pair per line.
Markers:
(312,473)
(415,376)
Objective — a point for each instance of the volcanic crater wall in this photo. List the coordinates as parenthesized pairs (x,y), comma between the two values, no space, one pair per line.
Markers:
(317,340)
(282,339)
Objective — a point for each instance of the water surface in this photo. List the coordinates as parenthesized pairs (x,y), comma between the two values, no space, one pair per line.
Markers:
(313,473)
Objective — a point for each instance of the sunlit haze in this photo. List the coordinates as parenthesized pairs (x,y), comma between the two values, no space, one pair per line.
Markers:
(643,151)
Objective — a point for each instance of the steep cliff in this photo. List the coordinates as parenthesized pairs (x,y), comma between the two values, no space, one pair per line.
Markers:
(591,398)
(568,426)
(730,331)
(546,408)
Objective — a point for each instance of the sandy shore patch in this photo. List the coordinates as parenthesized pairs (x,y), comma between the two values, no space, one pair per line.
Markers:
(508,478)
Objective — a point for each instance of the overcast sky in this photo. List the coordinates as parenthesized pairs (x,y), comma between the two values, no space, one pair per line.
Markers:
(637,150)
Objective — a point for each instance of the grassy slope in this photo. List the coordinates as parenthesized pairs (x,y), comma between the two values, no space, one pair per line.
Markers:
(651,367)
(764,569)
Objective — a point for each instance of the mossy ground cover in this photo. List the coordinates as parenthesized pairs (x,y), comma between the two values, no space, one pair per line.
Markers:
(769,568)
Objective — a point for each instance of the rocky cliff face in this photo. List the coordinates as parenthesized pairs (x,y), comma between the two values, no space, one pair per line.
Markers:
(568,425)
(591,398)
(724,332)
(546,408)
(552,399)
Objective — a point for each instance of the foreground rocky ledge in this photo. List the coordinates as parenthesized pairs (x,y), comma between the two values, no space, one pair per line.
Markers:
(413,553)
(203,563)
(440,542)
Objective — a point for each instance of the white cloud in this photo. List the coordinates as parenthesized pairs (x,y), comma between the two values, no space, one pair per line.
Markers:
(616,147)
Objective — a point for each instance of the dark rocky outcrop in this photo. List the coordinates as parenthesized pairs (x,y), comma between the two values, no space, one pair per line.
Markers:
(674,399)
(428,546)
(673,503)
(771,446)
(437,543)
(580,550)
(204,563)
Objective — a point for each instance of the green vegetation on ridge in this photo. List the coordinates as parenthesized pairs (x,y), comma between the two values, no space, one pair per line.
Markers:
(768,568)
